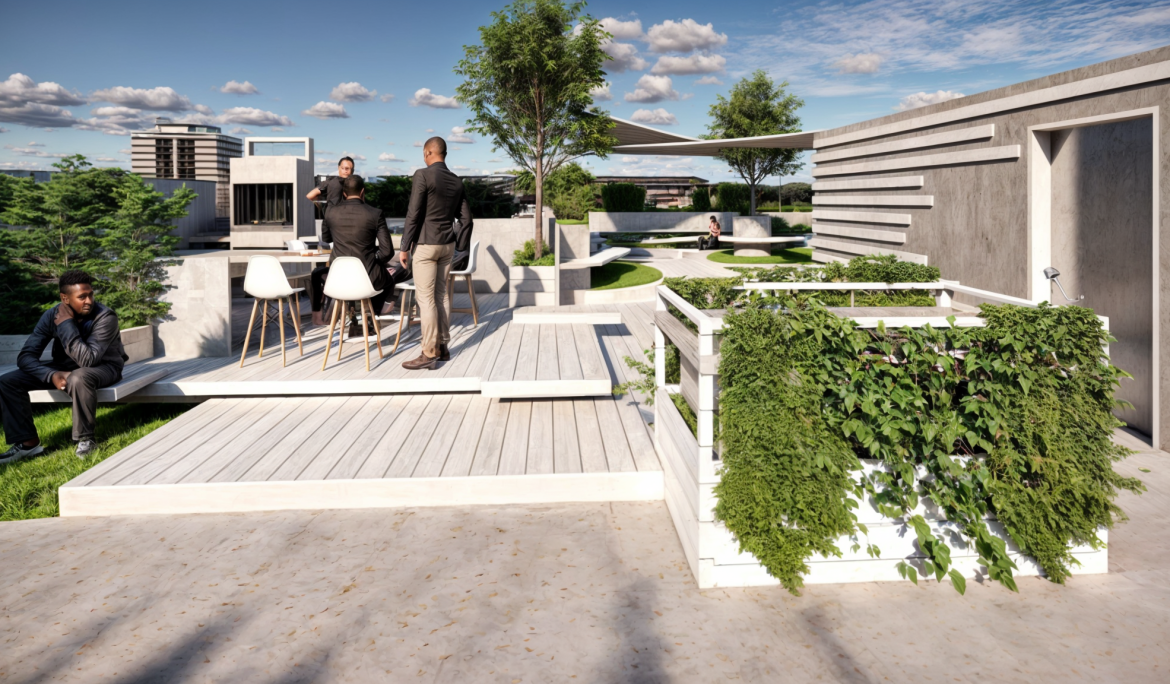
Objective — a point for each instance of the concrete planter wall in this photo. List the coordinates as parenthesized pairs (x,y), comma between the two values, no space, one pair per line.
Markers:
(138,342)
(531,286)
(657,221)
(792,217)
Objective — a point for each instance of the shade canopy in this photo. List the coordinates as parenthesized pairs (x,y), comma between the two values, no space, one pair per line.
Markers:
(635,138)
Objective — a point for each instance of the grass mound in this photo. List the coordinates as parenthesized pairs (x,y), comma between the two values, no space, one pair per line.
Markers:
(619,274)
(794,255)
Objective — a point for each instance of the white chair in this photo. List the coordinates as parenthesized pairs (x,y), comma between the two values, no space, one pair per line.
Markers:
(348,282)
(265,281)
(406,311)
(295,245)
(466,274)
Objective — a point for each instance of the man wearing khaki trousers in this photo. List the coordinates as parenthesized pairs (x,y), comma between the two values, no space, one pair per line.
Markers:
(437,199)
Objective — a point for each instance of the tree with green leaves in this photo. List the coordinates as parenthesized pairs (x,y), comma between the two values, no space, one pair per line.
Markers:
(757,106)
(134,242)
(568,191)
(528,87)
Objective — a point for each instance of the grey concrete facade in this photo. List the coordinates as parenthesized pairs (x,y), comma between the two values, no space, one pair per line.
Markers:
(186,152)
(993,187)
(201,213)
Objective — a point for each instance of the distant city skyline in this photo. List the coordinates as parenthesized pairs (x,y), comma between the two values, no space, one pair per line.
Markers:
(374,84)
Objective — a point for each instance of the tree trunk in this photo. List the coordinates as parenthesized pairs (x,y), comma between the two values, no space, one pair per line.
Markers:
(538,239)
(752,199)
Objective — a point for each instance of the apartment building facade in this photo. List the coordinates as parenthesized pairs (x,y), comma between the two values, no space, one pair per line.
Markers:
(187,151)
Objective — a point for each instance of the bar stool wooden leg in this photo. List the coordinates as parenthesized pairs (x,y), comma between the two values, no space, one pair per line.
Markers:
(329,338)
(365,331)
(341,332)
(296,320)
(263,326)
(377,328)
(471,295)
(280,315)
(404,307)
(248,336)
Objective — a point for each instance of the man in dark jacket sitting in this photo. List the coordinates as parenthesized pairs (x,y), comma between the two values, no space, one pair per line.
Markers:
(357,229)
(87,355)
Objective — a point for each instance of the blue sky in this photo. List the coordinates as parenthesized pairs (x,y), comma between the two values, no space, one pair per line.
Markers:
(78,76)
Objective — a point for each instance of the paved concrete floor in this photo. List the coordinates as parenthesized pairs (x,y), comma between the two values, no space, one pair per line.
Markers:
(589,593)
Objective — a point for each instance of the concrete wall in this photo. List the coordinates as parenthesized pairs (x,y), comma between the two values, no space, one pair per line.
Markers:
(199,289)
(298,172)
(498,238)
(200,213)
(656,221)
(974,193)
(792,217)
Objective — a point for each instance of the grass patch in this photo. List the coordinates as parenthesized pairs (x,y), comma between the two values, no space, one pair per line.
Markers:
(619,274)
(573,222)
(526,255)
(28,488)
(792,255)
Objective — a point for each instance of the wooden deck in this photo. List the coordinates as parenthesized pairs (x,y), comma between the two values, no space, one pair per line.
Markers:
(383,450)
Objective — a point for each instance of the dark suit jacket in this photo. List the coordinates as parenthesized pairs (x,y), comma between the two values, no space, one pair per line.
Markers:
(77,343)
(436,200)
(353,226)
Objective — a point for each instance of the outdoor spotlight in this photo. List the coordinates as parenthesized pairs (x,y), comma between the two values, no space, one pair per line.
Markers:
(1054,275)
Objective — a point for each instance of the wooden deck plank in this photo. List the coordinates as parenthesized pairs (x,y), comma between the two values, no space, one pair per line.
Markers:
(459,461)
(265,467)
(438,450)
(514,453)
(525,368)
(158,441)
(488,348)
(366,421)
(491,440)
(351,462)
(504,367)
(568,356)
(589,440)
(617,447)
(420,435)
(387,448)
(269,432)
(311,447)
(541,457)
(566,449)
(280,440)
(547,360)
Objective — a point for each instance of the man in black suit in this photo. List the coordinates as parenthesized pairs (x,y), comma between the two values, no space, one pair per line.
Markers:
(437,199)
(330,189)
(358,230)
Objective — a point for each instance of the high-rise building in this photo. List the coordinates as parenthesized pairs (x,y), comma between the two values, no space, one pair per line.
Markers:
(188,151)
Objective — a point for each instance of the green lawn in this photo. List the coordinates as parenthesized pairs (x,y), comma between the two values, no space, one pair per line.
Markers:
(619,274)
(794,255)
(28,488)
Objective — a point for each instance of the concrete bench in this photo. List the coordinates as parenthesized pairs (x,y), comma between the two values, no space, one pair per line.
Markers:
(600,259)
(134,377)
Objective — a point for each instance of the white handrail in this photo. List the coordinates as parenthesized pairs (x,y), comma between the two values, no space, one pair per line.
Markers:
(988,295)
(843,286)
(705,323)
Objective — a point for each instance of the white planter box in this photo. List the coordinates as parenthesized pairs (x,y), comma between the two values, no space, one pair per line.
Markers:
(531,286)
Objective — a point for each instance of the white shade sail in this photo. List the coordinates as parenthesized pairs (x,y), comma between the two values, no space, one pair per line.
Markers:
(638,139)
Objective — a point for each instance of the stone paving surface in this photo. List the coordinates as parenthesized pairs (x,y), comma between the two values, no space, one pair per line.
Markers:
(572,593)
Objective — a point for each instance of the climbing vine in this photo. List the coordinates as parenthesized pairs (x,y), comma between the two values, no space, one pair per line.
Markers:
(1012,419)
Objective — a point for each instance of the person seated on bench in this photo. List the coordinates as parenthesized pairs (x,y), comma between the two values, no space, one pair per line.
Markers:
(711,239)
(87,355)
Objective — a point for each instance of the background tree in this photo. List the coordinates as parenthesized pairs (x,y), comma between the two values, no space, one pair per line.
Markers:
(528,84)
(757,106)
(569,190)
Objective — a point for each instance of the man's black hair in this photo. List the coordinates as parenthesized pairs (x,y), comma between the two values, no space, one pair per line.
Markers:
(352,186)
(71,278)
(345,159)
(438,144)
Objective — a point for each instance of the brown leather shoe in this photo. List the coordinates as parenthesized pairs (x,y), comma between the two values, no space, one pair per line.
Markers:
(423,362)
(444,353)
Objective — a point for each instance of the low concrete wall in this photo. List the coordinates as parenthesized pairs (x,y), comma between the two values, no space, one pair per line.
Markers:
(531,286)
(498,238)
(792,217)
(656,221)
(138,343)
(199,289)
(753,226)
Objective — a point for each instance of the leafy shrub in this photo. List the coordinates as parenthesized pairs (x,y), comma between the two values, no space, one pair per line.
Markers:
(623,197)
(573,204)
(733,197)
(1030,390)
(526,255)
(701,200)
(779,225)
(796,193)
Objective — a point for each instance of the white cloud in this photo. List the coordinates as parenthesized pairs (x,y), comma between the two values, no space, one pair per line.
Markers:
(36,115)
(354,155)
(387,97)
(352,92)
(694,64)
(653,89)
(117,120)
(20,90)
(278,129)
(624,57)
(29,152)
(861,63)
(386,156)
(126,151)
(327,110)
(237,88)
(389,143)
(923,99)
(458,135)
(36,144)
(250,116)
(156,99)
(658,116)
(622,30)
(423,97)
(601,93)
(709,80)
(417,143)
(204,109)
(3,129)
(684,36)
(240,130)
(430,130)
(109,160)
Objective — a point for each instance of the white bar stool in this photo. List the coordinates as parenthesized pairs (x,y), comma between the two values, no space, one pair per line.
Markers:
(466,274)
(406,309)
(348,282)
(265,281)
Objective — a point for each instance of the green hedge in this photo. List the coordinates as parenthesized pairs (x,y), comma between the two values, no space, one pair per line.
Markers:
(734,197)
(805,393)
(623,197)
(526,255)
(701,200)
